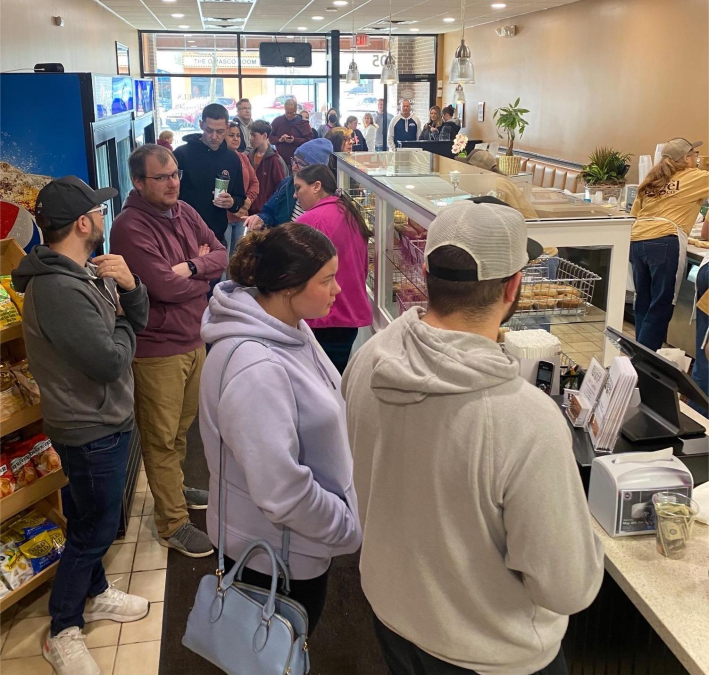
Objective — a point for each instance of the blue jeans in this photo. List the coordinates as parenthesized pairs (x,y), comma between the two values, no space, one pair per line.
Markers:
(97,476)
(700,370)
(655,263)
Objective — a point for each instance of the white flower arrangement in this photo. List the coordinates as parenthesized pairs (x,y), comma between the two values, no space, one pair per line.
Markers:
(459,144)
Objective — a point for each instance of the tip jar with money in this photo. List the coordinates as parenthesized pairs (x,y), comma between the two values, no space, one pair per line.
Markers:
(674,518)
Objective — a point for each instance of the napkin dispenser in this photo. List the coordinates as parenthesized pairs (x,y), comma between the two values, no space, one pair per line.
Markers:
(621,489)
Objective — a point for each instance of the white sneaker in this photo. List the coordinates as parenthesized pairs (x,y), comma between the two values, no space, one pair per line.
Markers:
(68,654)
(115,605)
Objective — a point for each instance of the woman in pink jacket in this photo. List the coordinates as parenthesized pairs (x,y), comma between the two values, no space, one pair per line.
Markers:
(251,186)
(332,212)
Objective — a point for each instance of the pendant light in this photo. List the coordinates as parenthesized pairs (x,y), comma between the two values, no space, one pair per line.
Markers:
(462,70)
(390,73)
(353,70)
(459,96)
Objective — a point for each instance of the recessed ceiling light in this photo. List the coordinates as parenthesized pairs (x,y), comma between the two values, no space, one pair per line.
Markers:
(182,25)
(410,187)
(449,19)
(318,18)
(498,5)
(177,16)
(302,28)
(169,0)
(191,42)
(340,3)
(414,30)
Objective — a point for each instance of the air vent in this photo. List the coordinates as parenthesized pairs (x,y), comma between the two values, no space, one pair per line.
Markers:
(241,2)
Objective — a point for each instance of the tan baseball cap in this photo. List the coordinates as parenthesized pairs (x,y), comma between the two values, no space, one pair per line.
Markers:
(482,159)
(491,232)
(678,148)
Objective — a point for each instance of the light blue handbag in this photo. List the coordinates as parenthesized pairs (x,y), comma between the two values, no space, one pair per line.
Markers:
(242,629)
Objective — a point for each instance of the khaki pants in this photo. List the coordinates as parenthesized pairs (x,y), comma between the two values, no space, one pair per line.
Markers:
(166,403)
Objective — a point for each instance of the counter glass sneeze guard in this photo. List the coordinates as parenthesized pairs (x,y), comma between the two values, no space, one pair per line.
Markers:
(400,193)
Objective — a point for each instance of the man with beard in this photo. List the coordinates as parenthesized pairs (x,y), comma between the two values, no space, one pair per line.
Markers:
(467,484)
(79,326)
(169,245)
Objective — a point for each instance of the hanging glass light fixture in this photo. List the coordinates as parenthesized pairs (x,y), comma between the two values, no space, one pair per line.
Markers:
(459,96)
(353,70)
(390,73)
(462,70)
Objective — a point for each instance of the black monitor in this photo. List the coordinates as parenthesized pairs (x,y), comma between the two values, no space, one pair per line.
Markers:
(660,381)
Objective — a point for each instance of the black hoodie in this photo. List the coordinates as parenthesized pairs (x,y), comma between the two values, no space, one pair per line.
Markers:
(79,350)
(201,166)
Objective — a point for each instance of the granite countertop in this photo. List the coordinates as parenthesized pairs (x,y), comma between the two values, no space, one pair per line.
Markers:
(673,595)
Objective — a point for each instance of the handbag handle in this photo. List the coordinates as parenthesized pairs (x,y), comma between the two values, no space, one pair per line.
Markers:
(285,543)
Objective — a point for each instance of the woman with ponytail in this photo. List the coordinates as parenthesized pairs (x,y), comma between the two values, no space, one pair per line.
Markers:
(275,404)
(332,212)
(666,208)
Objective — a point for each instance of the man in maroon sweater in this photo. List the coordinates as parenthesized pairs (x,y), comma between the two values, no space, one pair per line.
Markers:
(290,131)
(177,255)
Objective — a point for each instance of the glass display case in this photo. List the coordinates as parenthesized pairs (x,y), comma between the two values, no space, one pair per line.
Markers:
(400,193)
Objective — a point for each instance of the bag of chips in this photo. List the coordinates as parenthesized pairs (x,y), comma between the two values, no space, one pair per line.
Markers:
(4,590)
(21,464)
(44,456)
(11,398)
(14,567)
(32,524)
(8,484)
(8,312)
(28,384)
(17,298)
(44,549)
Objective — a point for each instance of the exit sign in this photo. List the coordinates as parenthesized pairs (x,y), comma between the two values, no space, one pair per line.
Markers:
(362,40)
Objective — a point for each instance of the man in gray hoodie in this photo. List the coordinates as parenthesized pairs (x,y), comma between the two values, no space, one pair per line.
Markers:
(80,320)
(477,537)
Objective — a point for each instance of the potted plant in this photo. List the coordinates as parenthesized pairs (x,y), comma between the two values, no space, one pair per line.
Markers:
(605,172)
(510,120)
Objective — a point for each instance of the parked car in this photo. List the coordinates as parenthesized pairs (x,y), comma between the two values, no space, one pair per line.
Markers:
(185,115)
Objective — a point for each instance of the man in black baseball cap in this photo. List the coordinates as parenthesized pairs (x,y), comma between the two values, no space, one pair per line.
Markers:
(79,324)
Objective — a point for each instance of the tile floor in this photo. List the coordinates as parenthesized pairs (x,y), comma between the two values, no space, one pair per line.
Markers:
(136,564)
(581,341)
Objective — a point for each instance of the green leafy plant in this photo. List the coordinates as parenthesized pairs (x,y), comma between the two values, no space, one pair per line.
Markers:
(606,166)
(509,120)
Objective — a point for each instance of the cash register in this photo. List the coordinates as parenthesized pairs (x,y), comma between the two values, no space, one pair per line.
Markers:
(657,423)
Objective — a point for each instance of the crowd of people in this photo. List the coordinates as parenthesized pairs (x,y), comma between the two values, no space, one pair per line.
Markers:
(404,449)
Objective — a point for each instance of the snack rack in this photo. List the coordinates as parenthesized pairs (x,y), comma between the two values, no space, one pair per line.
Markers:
(44,494)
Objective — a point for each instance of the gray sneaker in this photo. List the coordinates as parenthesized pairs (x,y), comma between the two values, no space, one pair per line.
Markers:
(196,499)
(189,541)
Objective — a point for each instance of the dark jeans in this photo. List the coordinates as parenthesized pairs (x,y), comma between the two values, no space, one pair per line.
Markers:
(405,658)
(97,476)
(655,264)
(310,593)
(337,344)
(700,369)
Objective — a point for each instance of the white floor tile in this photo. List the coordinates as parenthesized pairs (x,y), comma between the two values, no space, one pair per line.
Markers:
(119,559)
(6,620)
(102,634)
(149,507)
(148,530)
(140,657)
(149,585)
(149,555)
(120,581)
(105,657)
(142,482)
(145,630)
(136,508)
(26,638)
(34,665)
(35,604)
(132,531)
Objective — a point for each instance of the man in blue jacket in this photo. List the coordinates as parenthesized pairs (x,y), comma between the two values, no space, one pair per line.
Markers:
(404,127)
(282,207)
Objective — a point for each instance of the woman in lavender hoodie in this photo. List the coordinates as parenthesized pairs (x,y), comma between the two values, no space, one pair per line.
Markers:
(332,212)
(281,415)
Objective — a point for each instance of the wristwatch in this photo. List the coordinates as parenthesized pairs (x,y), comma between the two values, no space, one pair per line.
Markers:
(192,266)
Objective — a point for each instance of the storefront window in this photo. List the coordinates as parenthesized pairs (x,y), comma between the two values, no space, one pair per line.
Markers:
(193,70)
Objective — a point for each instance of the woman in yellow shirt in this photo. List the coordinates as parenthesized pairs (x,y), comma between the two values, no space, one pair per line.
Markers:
(666,208)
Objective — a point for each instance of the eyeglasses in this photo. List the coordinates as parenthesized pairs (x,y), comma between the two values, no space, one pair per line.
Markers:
(102,209)
(163,177)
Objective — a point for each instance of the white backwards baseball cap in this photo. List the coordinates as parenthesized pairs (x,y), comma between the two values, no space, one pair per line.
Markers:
(491,232)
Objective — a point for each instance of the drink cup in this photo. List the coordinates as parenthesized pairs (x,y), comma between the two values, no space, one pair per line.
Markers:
(220,185)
